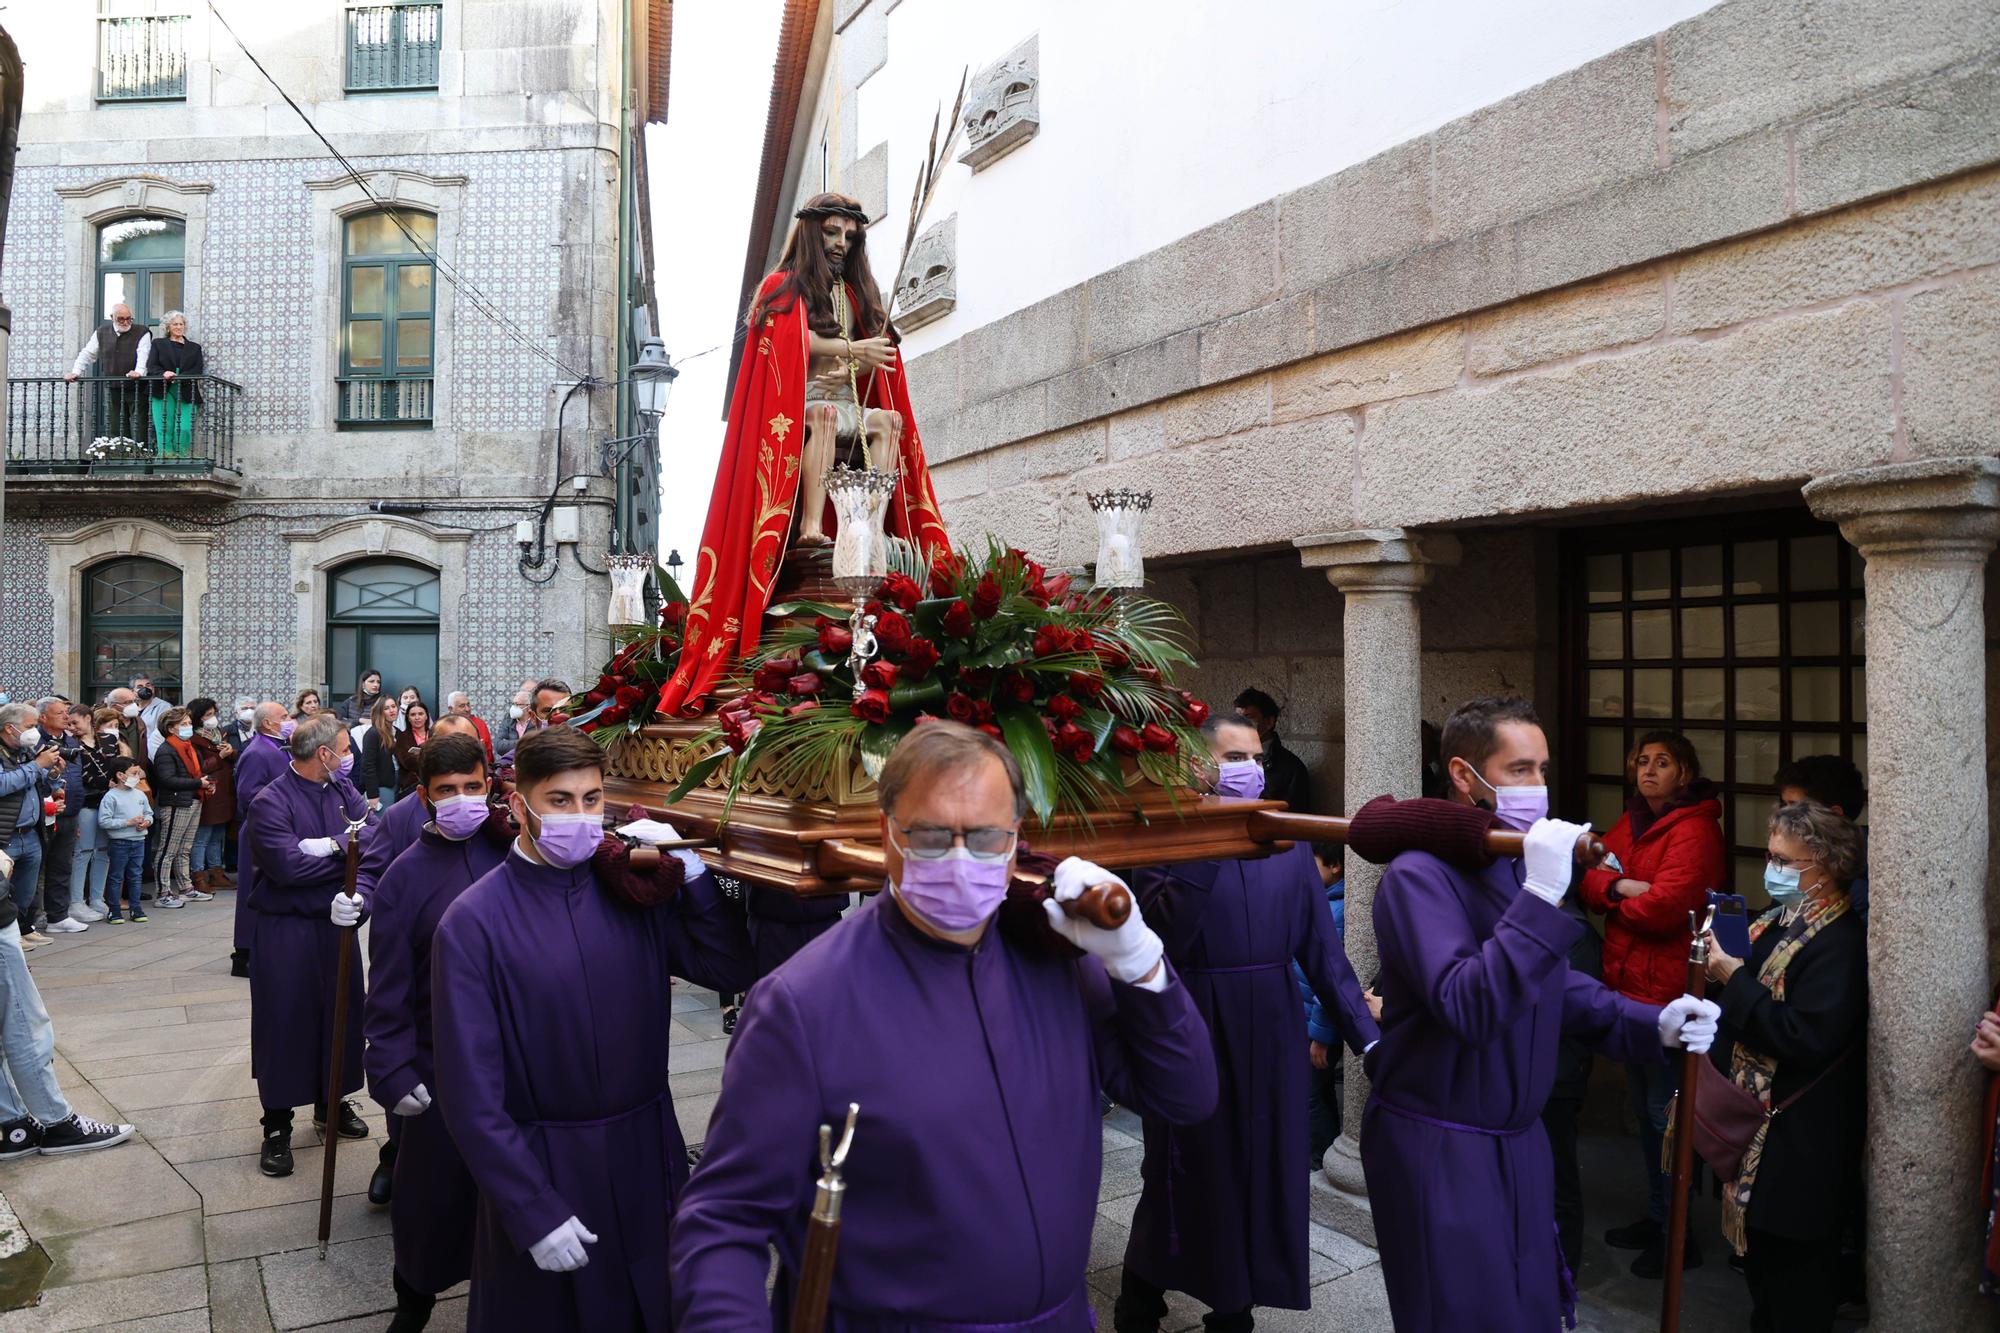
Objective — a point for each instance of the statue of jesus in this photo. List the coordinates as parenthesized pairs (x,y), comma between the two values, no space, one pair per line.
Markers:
(821,382)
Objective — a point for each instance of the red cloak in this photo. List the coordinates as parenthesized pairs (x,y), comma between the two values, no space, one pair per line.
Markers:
(756,487)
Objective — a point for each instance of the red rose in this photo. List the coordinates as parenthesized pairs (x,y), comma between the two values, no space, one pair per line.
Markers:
(958,620)
(902,590)
(628,695)
(992,731)
(626,654)
(1053,639)
(1087,683)
(1196,710)
(805,706)
(806,683)
(1015,688)
(1057,586)
(893,632)
(1073,743)
(918,659)
(1113,657)
(960,707)
(771,677)
(871,706)
(944,575)
(673,613)
(1036,592)
(606,684)
(882,675)
(976,680)
(986,597)
(1127,741)
(611,717)
(835,640)
(982,711)
(1149,674)
(1156,737)
(1064,708)
(558,719)
(595,697)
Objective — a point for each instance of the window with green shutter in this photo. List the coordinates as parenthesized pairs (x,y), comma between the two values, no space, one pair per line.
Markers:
(393,47)
(387,303)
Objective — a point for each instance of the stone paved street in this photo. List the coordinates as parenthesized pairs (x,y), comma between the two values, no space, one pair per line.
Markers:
(177,1230)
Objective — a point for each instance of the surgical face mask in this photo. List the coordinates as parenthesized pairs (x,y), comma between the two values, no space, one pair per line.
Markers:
(286,728)
(130,710)
(1782,883)
(347,763)
(564,840)
(210,723)
(132,780)
(30,738)
(144,691)
(459,817)
(1243,778)
(1518,807)
(244,715)
(515,711)
(184,731)
(956,891)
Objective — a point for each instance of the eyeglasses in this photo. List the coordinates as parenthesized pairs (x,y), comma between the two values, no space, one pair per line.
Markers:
(1778,862)
(930,842)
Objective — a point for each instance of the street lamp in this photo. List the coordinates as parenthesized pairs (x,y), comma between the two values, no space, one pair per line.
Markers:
(652,379)
(674,566)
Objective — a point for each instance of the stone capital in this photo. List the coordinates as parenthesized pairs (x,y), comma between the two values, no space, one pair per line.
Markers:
(1937,508)
(1364,560)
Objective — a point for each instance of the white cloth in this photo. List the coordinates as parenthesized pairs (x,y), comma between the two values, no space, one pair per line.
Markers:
(1129,952)
(415,1102)
(1689,1024)
(561,1251)
(1550,854)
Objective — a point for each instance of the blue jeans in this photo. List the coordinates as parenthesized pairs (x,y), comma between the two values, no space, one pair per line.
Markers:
(1652,1087)
(91,863)
(208,843)
(27,1041)
(128,869)
(26,849)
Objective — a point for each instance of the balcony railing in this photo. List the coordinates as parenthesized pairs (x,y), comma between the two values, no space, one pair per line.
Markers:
(393,47)
(142,58)
(103,427)
(385,402)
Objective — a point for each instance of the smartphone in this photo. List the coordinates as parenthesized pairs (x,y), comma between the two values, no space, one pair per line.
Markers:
(1732,923)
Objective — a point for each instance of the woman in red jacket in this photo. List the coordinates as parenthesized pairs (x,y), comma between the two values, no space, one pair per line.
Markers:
(1669,841)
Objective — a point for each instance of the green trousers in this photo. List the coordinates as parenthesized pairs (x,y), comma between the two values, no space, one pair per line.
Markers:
(173,425)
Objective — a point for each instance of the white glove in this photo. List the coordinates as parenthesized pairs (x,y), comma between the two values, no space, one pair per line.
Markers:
(561,1251)
(1689,1024)
(1129,952)
(346,910)
(691,864)
(415,1102)
(1550,852)
(319,846)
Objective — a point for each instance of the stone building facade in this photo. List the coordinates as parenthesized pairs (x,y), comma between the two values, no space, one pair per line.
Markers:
(391,395)
(1662,391)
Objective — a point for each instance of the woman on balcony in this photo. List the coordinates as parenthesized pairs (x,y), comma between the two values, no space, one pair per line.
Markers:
(174,367)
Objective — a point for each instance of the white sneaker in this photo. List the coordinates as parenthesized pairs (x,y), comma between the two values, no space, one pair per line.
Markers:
(85,912)
(168,900)
(68,926)
(197,896)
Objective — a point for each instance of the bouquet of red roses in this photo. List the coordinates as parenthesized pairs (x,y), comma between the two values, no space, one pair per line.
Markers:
(1077,683)
(622,700)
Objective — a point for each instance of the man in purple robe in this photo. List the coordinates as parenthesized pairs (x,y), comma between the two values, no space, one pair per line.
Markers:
(1224,1209)
(1476,995)
(433,1207)
(298,834)
(261,759)
(974,1044)
(394,832)
(550,999)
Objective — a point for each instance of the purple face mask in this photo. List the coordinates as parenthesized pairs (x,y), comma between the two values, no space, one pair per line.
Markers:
(1241,778)
(286,728)
(955,891)
(459,817)
(1519,807)
(347,763)
(565,840)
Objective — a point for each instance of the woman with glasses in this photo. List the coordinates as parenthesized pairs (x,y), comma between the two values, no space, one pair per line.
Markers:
(1669,843)
(1794,1015)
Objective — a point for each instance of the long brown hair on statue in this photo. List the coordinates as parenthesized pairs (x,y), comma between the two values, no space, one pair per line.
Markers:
(809,271)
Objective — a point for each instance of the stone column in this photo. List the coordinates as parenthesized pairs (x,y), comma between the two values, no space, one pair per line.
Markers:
(1379,573)
(1925,529)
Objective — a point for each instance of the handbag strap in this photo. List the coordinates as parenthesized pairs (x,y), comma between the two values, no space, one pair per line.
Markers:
(1838,1061)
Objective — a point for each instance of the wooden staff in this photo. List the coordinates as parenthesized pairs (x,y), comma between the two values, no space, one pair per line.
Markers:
(1273,825)
(334,1072)
(823,1230)
(1677,1214)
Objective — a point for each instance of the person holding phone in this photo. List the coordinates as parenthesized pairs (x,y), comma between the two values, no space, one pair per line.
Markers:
(1669,841)
(1794,1016)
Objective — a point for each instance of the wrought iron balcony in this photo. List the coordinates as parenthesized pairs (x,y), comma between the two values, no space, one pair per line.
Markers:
(142,58)
(393,46)
(105,433)
(385,401)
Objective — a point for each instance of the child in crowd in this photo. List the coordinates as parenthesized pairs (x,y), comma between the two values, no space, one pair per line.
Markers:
(124,817)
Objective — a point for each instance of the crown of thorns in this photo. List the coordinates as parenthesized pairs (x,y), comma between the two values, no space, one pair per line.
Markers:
(833,211)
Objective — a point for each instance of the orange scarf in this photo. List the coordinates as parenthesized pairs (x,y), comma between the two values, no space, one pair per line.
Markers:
(185,749)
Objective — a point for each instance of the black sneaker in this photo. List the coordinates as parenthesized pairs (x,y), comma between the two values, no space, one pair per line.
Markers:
(20,1138)
(1634,1235)
(81,1134)
(352,1126)
(1652,1261)
(276,1159)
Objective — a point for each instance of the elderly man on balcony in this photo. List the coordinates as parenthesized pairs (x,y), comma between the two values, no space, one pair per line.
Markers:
(119,349)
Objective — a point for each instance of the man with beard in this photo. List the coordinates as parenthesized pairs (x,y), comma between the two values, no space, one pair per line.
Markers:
(821,374)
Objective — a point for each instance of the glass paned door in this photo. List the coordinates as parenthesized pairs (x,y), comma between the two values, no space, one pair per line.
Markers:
(383,614)
(140,261)
(132,623)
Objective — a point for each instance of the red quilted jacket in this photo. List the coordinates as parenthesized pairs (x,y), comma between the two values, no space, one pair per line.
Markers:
(1646,938)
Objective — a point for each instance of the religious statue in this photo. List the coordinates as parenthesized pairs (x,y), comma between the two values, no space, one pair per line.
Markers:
(821,383)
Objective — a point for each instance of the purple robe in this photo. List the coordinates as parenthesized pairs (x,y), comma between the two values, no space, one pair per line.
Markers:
(395,831)
(972,1187)
(1477,994)
(435,1203)
(261,760)
(1224,1208)
(783,923)
(295,946)
(550,1003)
